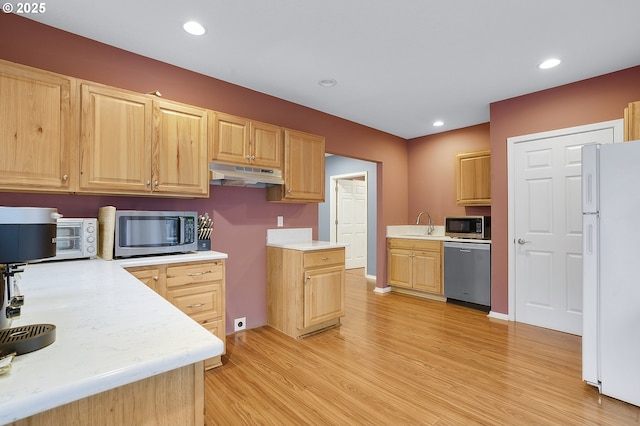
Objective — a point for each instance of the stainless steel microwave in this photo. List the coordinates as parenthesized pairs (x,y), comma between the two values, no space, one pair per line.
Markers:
(474,227)
(139,233)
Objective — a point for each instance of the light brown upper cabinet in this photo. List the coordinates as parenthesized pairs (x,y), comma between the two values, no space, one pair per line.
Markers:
(240,141)
(134,144)
(473,178)
(179,154)
(37,142)
(303,169)
(632,122)
(115,140)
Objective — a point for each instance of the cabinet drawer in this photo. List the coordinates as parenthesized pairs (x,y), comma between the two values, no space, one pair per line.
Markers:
(148,275)
(194,273)
(411,244)
(211,322)
(324,257)
(192,300)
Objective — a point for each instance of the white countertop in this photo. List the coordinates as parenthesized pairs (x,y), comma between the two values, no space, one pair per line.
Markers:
(308,245)
(297,239)
(170,258)
(419,232)
(111,330)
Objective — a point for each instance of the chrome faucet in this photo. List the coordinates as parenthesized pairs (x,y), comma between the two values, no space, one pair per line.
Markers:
(429,222)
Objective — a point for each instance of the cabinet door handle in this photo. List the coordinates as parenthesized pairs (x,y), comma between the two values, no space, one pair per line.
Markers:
(155,278)
(325,258)
(148,183)
(308,277)
(155,183)
(198,274)
(65,177)
(196,305)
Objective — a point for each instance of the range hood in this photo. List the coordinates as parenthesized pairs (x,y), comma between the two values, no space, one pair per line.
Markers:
(226,174)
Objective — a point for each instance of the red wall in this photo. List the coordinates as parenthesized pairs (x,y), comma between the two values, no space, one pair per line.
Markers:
(589,101)
(241,215)
(432,172)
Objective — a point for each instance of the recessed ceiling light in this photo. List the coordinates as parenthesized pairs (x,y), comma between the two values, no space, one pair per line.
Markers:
(550,63)
(438,123)
(194,28)
(327,82)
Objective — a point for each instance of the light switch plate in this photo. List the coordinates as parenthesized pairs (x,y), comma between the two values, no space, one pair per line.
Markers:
(280,221)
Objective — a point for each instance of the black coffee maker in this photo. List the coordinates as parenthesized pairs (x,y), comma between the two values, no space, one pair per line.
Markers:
(26,234)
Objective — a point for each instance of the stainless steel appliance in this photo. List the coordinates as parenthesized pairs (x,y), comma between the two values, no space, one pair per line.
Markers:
(467,273)
(226,174)
(140,233)
(476,227)
(611,290)
(28,233)
(76,238)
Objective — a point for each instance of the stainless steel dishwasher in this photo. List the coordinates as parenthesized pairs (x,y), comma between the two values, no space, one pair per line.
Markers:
(467,273)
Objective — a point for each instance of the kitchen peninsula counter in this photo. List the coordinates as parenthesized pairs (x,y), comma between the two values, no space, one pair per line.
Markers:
(298,239)
(111,331)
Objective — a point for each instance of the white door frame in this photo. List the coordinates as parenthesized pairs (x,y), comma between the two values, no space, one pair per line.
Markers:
(333,200)
(618,128)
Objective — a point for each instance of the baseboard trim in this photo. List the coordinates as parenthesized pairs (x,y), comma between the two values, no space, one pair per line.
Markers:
(370,278)
(498,315)
(382,290)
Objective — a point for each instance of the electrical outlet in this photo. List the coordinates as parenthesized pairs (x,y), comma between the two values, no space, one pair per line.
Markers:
(280,221)
(239,324)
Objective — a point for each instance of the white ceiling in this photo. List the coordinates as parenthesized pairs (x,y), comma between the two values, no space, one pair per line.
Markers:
(400,65)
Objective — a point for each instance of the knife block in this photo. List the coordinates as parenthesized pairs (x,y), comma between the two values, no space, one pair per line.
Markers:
(204,245)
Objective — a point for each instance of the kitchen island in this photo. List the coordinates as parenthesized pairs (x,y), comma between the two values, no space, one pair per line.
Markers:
(122,354)
(305,282)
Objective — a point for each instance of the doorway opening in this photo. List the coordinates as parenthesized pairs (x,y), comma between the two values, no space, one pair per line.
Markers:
(339,167)
(348,216)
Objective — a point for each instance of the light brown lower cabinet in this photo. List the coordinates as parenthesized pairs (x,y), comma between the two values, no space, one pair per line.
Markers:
(415,265)
(305,289)
(196,288)
(172,398)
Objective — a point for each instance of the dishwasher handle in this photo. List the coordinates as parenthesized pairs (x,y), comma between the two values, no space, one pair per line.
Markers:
(467,246)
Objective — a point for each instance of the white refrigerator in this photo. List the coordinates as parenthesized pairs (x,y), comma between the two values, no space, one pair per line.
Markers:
(611,269)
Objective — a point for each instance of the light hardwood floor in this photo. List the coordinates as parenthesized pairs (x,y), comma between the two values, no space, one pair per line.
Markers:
(399,360)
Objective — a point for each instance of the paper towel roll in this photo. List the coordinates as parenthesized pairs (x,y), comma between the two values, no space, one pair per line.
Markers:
(106,226)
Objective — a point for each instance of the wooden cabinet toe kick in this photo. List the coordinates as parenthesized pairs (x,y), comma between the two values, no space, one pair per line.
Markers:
(310,331)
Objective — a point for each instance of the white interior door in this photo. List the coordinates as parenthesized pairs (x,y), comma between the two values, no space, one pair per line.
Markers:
(351,220)
(547,232)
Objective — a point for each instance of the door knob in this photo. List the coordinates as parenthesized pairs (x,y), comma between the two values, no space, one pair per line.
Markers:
(522,241)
